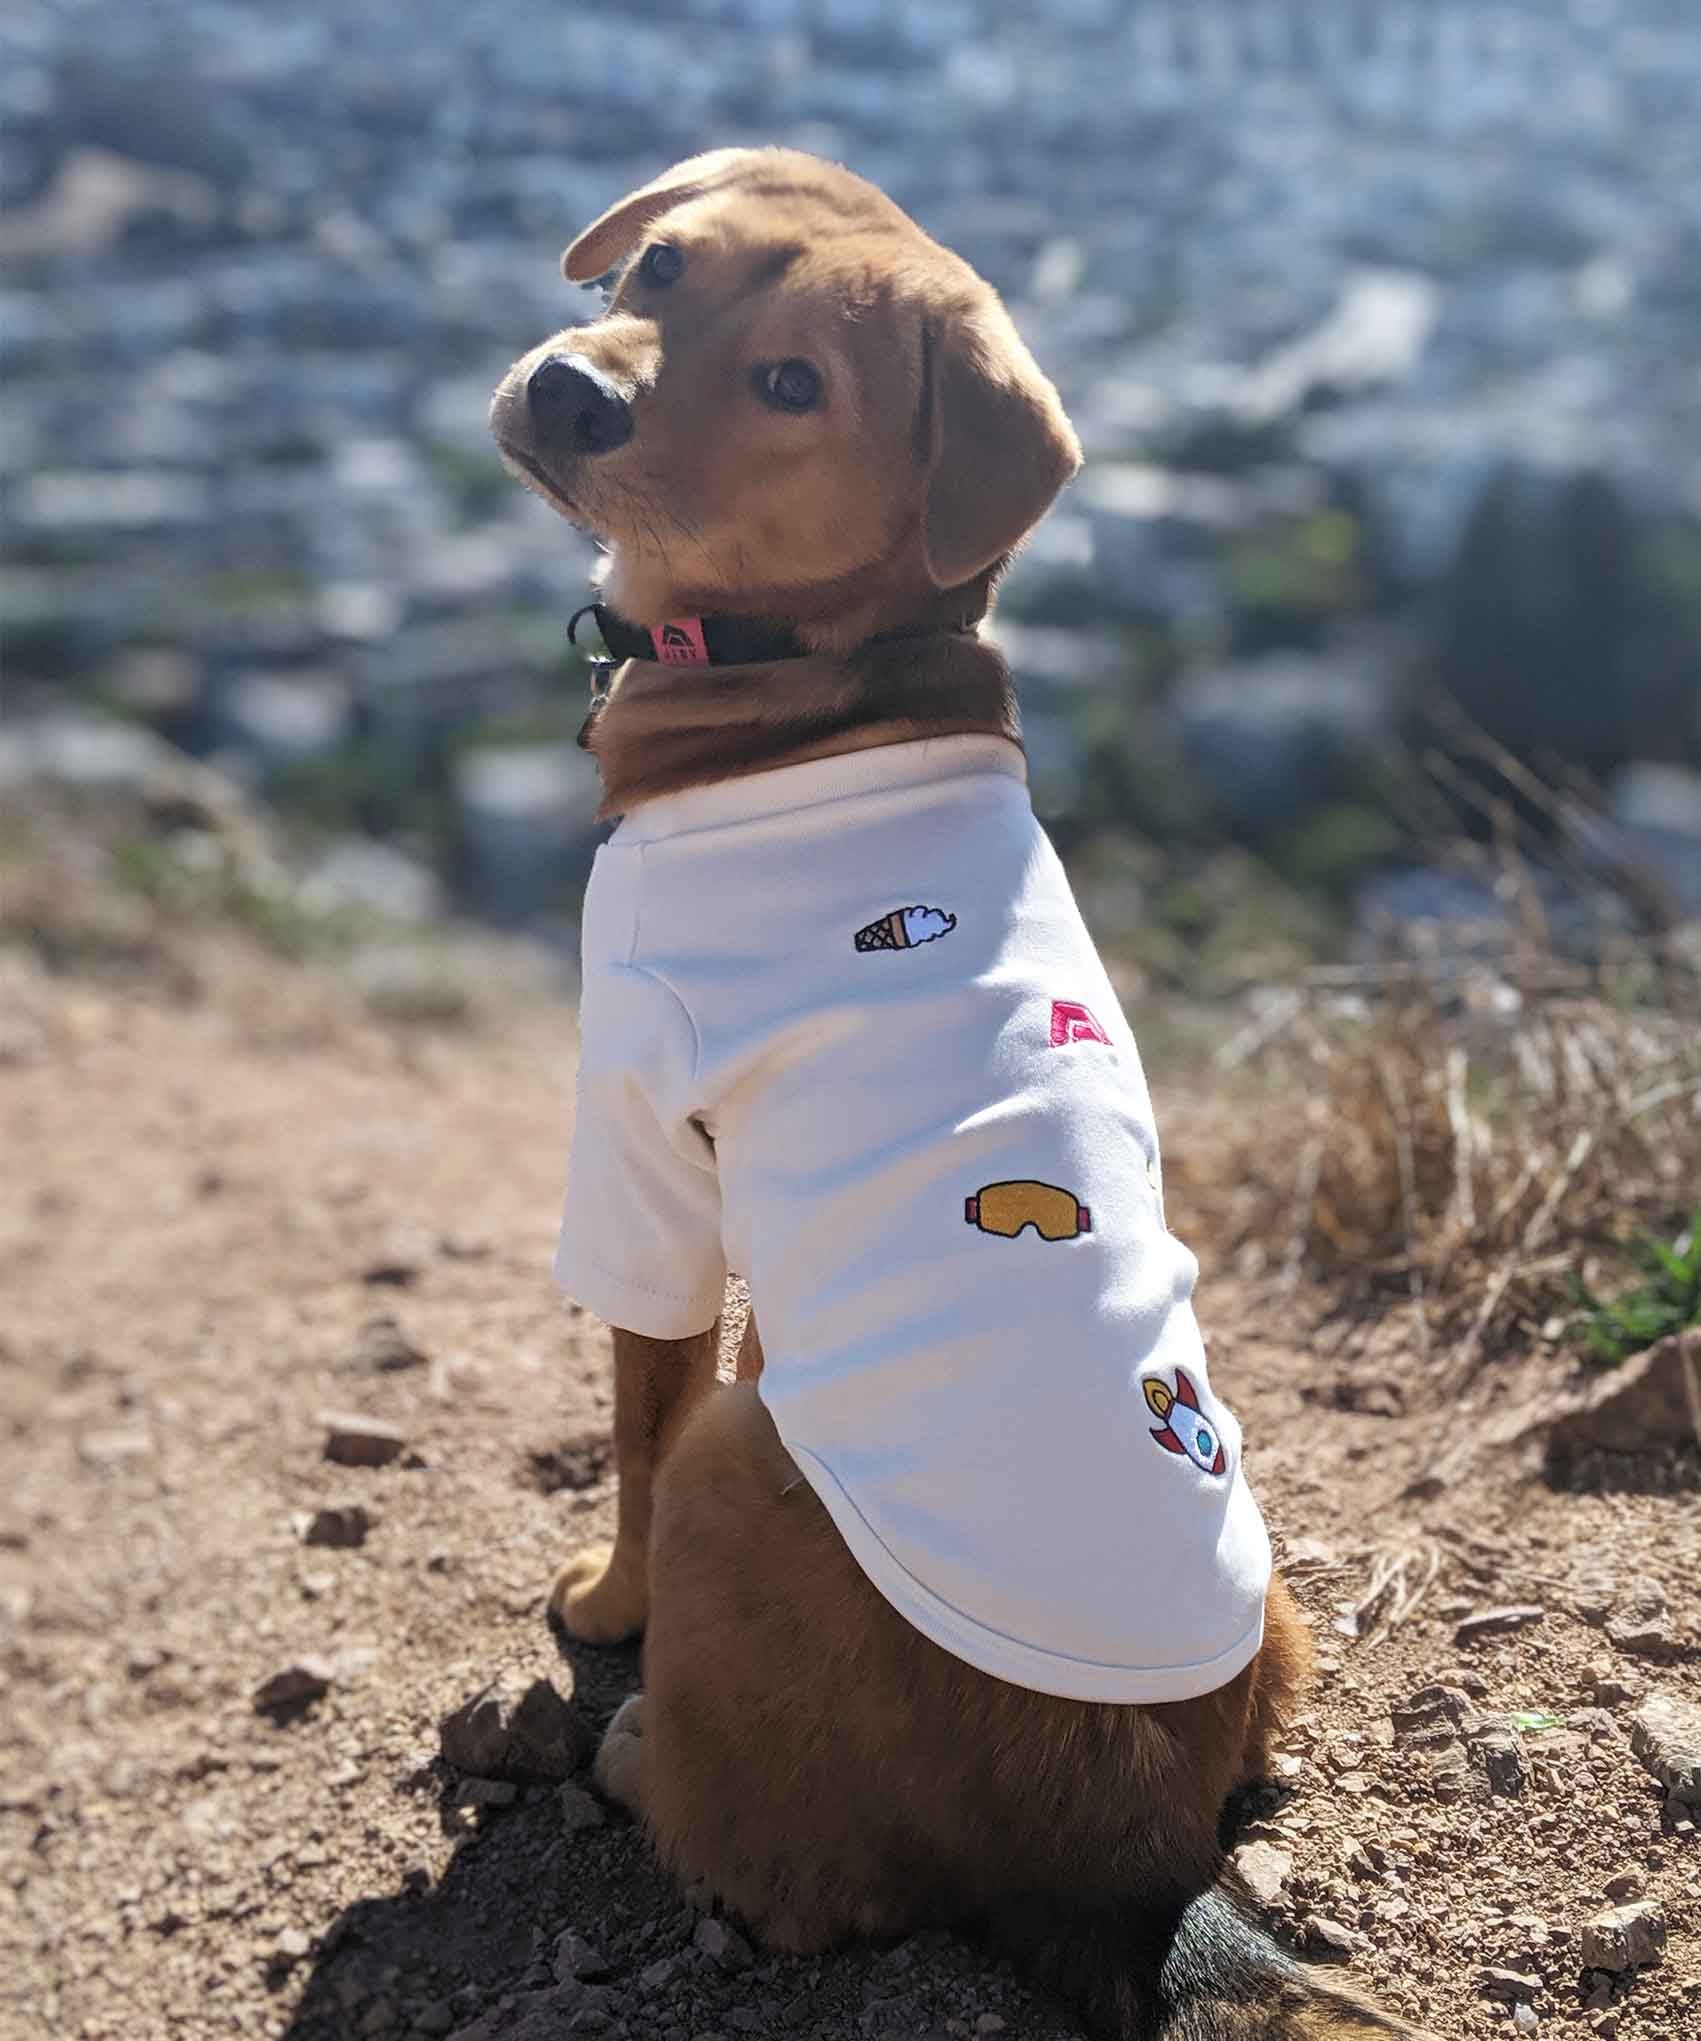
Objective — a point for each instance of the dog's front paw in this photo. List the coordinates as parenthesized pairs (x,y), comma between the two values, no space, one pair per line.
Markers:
(599,1596)
(619,1757)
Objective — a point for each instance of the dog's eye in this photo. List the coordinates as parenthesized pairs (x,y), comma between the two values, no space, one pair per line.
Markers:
(790,385)
(662,264)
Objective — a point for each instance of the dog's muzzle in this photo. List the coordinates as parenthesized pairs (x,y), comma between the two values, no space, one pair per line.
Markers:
(573,405)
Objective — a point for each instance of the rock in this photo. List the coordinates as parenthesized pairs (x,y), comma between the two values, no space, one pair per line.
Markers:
(298,1684)
(436,2018)
(723,1945)
(486,1793)
(109,1448)
(1644,1402)
(575,1957)
(1329,1941)
(1624,1936)
(1625,1885)
(1558,1763)
(1498,1622)
(1665,1733)
(1453,1779)
(290,1947)
(1603,1682)
(354,1441)
(1524,2018)
(344,1524)
(1510,1985)
(1265,1870)
(1522,1939)
(383,1348)
(515,1729)
(657,1975)
(1640,1619)
(1497,1754)
(475,1736)
(390,1272)
(527,2016)
(1645,1637)
(1433,1715)
(580,1810)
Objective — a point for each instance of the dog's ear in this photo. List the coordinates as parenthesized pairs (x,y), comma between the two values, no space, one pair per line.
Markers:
(996,439)
(604,242)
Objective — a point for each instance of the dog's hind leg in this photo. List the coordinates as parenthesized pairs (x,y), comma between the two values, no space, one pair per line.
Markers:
(603,1593)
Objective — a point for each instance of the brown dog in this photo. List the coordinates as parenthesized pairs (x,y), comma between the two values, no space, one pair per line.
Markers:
(798,409)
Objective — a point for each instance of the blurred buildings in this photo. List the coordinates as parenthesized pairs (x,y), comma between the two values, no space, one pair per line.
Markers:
(1316,282)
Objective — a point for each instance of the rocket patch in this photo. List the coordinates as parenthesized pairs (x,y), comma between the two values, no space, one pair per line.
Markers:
(1184,1428)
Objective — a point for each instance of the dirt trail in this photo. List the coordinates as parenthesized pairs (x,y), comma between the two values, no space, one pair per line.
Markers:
(205,1203)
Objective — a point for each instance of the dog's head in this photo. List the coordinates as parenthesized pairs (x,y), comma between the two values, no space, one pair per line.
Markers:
(791,390)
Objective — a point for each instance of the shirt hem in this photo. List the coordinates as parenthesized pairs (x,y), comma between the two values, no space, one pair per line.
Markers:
(632,1307)
(1006,1658)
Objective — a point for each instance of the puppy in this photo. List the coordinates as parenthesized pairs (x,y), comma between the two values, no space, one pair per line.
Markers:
(957,1606)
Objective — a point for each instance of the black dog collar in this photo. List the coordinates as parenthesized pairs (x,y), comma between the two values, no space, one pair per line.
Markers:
(698,641)
(692,641)
(681,641)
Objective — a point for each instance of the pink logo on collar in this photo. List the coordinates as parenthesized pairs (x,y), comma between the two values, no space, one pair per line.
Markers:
(681,642)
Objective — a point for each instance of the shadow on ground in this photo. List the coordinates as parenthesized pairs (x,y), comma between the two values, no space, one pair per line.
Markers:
(479,1954)
(430,1956)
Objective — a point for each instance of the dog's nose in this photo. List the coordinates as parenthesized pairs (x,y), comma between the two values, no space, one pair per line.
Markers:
(570,398)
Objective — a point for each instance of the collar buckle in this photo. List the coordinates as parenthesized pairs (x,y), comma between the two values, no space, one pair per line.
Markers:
(602,673)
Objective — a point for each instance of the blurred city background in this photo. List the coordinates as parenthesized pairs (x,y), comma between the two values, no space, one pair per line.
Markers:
(1381,323)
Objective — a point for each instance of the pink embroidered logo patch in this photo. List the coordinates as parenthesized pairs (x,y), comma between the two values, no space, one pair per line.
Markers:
(1071,1022)
(681,642)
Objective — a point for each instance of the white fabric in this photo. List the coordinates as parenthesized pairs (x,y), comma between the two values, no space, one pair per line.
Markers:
(761,1086)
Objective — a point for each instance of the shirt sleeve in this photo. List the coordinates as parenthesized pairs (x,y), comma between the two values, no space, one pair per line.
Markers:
(640,1238)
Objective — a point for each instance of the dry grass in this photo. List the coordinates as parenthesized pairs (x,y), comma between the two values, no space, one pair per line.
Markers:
(1491,1136)
(1475,1158)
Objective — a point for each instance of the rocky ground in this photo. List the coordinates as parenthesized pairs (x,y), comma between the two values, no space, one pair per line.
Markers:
(293,1432)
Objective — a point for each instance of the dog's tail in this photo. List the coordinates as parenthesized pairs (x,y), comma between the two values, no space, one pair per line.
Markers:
(1196,1969)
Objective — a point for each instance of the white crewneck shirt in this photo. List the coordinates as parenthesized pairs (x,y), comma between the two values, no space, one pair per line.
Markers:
(843,1029)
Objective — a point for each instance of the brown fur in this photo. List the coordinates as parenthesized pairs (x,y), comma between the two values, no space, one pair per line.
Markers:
(801,1750)
(889,511)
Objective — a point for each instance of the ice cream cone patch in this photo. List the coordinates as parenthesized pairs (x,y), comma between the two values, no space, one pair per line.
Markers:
(905,927)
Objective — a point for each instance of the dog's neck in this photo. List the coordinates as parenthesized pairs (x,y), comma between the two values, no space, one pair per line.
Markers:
(662,728)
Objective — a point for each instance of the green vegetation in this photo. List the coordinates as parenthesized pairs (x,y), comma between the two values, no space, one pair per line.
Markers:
(476,484)
(1329,850)
(1289,581)
(250,591)
(195,876)
(1666,1299)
